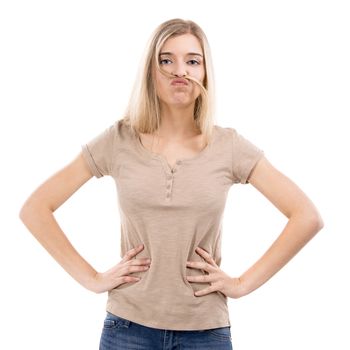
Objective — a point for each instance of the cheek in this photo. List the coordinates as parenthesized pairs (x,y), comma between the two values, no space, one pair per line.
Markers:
(202,76)
(160,85)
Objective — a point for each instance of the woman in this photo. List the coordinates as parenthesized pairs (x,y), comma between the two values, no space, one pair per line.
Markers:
(172,168)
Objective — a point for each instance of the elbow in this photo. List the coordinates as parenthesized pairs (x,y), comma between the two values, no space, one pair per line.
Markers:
(28,210)
(24,212)
(319,224)
(316,221)
(311,219)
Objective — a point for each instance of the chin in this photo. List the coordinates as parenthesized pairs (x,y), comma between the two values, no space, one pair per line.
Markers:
(178,103)
(181,100)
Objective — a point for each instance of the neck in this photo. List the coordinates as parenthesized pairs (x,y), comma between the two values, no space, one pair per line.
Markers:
(177,123)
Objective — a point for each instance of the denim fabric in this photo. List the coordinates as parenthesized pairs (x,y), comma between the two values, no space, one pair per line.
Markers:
(121,334)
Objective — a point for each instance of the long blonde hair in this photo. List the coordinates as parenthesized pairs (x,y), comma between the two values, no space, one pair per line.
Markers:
(143,111)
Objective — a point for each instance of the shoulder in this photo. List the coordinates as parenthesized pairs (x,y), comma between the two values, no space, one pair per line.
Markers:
(236,137)
(224,131)
(122,131)
(227,133)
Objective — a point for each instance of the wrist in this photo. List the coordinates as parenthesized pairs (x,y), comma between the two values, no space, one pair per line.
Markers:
(90,282)
(242,287)
(237,288)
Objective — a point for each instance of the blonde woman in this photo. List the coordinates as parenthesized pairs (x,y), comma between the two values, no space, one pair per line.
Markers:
(173,167)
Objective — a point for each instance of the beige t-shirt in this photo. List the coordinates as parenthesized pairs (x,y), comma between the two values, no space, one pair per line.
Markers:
(171,213)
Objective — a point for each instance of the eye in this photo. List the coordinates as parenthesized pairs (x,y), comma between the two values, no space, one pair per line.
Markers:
(165,59)
(195,62)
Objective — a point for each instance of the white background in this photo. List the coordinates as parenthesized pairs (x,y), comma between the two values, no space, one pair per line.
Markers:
(282,76)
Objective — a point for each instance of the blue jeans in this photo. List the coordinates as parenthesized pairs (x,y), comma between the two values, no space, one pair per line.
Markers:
(121,334)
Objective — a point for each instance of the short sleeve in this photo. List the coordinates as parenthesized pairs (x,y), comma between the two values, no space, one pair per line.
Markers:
(99,152)
(245,155)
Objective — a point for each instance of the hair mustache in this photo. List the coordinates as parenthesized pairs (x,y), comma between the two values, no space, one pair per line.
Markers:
(187,77)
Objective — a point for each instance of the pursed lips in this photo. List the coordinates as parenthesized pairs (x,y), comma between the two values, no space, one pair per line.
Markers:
(179,82)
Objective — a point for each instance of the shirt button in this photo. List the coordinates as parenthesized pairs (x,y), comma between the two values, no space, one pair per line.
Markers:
(168,186)
(178,162)
(173,170)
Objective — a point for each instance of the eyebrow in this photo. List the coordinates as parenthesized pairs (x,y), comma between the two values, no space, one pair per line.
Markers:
(188,54)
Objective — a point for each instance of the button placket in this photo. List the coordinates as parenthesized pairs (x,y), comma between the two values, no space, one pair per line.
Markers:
(170,179)
(169,185)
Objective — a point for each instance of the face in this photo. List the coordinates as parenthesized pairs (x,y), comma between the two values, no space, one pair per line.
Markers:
(180,55)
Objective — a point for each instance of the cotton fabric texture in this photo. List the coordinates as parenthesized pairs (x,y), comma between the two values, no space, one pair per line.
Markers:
(171,212)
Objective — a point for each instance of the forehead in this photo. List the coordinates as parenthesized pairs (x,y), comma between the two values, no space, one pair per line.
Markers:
(182,44)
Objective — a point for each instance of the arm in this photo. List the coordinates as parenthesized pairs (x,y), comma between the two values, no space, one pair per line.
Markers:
(304,222)
(37,215)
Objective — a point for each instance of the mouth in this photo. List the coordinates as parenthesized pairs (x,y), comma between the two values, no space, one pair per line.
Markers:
(180,82)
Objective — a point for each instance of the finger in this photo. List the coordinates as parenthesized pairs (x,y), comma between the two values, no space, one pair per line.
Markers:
(205,291)
(199,279)
(201,265)
(206,256)
(127,270)
(141,261)
(129,279)
(132,252)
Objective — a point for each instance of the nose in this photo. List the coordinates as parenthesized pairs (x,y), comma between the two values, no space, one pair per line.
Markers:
(178,75)
(179,71)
